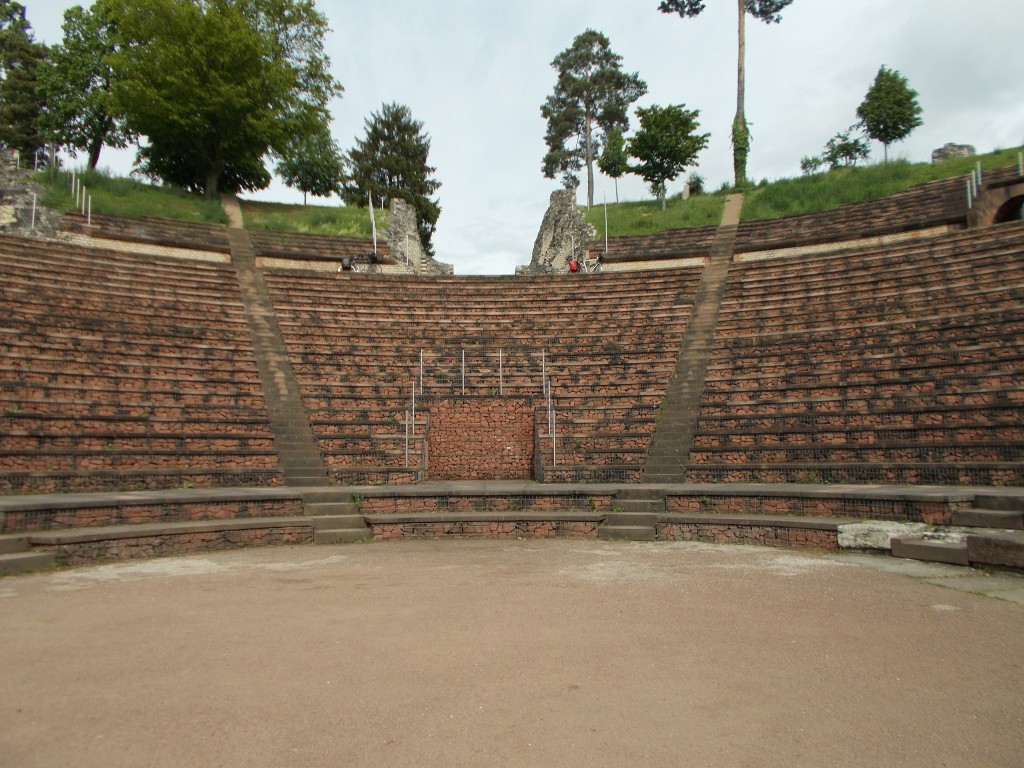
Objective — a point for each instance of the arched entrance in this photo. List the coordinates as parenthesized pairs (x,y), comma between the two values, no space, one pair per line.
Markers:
(1010,210)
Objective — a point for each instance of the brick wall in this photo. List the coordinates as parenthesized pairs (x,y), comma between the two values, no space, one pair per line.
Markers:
(480,438)
(763,535)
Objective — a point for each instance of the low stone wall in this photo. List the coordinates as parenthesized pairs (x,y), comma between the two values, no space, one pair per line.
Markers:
(933,512)
(169,543)
(767,535)
(511,529)
(27,521)
(480,438)
(547,504)
(151,249)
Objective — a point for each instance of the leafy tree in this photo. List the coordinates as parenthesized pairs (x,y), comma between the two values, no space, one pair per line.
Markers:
(768,11)
(665,144)
(216,85)
(811,164)
(845,149)
(696,183)
(614,160)
(391,161)
(313,164)
(592,93)
(890,111)
(75,84)
(20,57)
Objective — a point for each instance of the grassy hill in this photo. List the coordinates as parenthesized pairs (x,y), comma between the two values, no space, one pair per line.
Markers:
(790,197)
(786,197)
(119,196)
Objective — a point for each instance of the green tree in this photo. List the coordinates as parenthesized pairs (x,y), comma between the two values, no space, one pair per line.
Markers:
(20,57)
(591,93)
(890,110)
(768,11)
(75,84)
(391,161)
(217,85)
(614,159)
(665,144)
(845,149)
(314,165)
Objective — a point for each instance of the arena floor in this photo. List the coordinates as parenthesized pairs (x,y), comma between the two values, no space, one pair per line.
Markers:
(512,653)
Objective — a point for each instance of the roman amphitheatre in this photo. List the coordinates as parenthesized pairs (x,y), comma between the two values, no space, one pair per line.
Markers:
(750,494)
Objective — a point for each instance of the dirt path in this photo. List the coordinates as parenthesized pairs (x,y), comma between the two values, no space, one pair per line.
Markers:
(551,653)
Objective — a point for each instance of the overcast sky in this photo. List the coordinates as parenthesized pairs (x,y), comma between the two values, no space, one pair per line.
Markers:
(476,72)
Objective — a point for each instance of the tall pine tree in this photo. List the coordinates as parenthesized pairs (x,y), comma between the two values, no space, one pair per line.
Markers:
(592,94)
(391,162)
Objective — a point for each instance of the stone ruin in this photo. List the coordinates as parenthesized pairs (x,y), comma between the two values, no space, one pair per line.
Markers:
(950,150)
(404,241)
(16,202)
(562,229)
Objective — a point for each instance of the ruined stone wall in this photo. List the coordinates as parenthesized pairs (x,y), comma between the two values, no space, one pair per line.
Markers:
(404,242)
(563,229)
(16,203)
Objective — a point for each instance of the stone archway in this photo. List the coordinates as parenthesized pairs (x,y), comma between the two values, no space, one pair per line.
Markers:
(1011,210)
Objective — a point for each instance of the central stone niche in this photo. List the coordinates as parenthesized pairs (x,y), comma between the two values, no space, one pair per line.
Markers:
(480,438)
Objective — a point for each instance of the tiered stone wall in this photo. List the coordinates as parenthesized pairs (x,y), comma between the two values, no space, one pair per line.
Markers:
(481,438)
(920,510)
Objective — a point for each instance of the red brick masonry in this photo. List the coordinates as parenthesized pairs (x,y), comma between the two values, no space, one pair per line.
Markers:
(481,438)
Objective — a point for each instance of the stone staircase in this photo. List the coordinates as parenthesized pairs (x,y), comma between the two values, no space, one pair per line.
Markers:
(673,436)
(991,532)
(635,512)
(17,556)
(336,518)
(299,456)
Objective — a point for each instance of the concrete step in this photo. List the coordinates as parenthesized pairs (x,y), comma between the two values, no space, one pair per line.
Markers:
(1000,548)
(628,519)
(331,508)
(341,535)
(930,550)
(626,532)
(336,522)
(20,562)
(640,506)
(11,544)
(990,518)
(994,501)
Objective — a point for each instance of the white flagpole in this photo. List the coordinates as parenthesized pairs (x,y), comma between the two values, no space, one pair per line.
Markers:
(373,221)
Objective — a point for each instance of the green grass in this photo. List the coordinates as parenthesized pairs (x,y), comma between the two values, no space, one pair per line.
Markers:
(119,196)
(827,191)
(645,217)
(313,219)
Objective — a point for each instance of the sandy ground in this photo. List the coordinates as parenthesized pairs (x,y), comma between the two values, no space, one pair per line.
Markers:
(521,653)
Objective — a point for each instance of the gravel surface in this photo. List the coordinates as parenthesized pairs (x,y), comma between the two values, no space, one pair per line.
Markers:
(510,653)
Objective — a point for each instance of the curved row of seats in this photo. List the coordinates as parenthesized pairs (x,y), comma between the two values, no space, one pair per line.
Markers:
(606,345)
(123,372)
(883,365)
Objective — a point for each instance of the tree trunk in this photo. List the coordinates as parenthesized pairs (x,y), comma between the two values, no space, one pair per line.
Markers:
(616,190)
(212,176)
(94,153)
(739,162)
(663,195)
(589,149)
